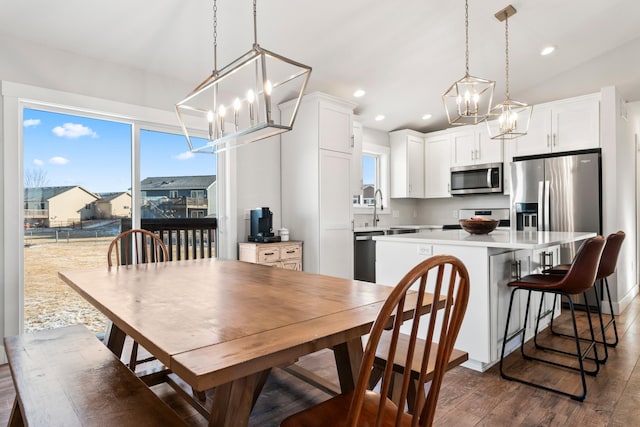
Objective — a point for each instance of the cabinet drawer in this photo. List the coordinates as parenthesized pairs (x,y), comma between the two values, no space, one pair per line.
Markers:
(288,252)
(271,254)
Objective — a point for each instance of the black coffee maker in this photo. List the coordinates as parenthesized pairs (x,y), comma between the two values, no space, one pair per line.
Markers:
(262,226)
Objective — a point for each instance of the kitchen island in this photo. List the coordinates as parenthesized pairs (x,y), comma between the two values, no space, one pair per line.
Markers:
(493,260)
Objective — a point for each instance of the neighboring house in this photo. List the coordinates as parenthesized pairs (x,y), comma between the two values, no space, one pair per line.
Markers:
(112,205)
(178,196)
(57,206)
(368,194)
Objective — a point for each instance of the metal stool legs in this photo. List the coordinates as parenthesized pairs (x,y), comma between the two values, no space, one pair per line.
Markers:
(580,355)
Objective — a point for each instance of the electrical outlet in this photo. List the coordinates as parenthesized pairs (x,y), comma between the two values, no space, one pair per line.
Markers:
(425,250)
(395,213)
(454,214)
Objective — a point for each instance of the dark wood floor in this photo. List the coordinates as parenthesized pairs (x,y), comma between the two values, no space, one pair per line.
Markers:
(468,398)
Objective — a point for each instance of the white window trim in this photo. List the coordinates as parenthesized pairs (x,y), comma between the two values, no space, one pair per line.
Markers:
(383,153)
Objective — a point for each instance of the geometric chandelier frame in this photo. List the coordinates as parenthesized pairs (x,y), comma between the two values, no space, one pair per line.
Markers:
(468,100)
(237,103)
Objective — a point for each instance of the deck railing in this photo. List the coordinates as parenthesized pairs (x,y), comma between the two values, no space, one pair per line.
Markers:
(185,238)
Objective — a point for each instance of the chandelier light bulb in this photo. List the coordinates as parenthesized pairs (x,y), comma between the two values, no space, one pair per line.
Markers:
(236,104)
(250,96)
(268,87)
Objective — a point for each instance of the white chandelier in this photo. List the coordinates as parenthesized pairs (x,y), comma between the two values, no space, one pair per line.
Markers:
(236,103)
(468,100)
(509,120)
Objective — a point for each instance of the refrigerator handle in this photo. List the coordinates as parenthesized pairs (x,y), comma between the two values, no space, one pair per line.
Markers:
(546,207)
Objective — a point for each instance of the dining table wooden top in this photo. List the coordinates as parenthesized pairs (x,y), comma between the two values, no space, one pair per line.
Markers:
(214,322)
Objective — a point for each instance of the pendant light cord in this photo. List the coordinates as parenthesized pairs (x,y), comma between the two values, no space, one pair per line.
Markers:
(466,40)
(215,36)
(506,53)
(255,25)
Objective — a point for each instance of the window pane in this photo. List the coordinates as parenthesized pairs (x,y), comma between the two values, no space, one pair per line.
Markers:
(369,178)
(77,181)
(175,183)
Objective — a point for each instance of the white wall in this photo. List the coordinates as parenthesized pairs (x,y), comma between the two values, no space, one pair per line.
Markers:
(619,192)
(633,112)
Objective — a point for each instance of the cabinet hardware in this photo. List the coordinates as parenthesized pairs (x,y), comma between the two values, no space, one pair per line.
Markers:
(268,253)
(291,252)
(548,139)
(554,140)
(353,141)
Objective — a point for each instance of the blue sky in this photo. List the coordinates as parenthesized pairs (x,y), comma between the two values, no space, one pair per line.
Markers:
(96,154)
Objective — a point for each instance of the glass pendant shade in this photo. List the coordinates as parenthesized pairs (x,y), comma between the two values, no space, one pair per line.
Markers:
(467,101)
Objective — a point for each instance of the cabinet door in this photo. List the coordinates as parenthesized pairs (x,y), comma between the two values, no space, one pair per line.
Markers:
(538,138)
(575,125)
(335,131)
(437,165)
(502,270)
(488,150)
(356,159)
(463,148)
(336,237)
(415,163)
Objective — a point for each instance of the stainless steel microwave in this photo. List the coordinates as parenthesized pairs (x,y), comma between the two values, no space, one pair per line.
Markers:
(477,179)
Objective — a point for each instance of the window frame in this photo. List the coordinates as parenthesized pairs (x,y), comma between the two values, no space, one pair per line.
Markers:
(382,176)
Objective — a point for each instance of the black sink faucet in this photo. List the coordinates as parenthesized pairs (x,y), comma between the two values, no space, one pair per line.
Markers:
(375,206)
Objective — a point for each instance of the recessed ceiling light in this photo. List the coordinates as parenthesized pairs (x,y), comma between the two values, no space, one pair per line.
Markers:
(547,50)
(379,117)
(426,117)
(359,93)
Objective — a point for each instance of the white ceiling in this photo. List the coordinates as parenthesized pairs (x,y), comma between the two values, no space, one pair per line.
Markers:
(405,54)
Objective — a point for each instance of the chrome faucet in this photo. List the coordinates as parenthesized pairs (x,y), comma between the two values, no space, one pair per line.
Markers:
(375,206)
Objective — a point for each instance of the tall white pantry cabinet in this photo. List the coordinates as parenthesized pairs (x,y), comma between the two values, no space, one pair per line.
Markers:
(316,178)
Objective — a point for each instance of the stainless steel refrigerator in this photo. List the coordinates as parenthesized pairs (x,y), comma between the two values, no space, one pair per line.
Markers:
(558,192)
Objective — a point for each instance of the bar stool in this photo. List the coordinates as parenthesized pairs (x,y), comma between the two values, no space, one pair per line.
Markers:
(607,266)
(579,277)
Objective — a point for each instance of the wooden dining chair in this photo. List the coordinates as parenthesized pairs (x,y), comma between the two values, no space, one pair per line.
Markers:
(444,276)
(136,246)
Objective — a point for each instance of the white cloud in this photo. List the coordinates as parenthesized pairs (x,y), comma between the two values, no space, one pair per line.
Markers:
(72,130)
(31,122)
(38,162)
(185,156)
(57,160)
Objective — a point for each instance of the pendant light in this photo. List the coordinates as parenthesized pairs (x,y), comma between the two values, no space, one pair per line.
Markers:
(467,101)
(236,103)
(509,120)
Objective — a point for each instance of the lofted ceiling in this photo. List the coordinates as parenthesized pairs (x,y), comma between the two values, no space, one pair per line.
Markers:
(404,54)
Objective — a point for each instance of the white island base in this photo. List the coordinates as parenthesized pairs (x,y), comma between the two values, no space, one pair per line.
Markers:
(492,260)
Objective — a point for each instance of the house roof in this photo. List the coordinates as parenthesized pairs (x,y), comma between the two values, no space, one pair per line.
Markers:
(177,182)
(107,197)
(46,193)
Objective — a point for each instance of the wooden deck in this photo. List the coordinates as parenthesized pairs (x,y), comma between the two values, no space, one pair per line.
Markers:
(468,398)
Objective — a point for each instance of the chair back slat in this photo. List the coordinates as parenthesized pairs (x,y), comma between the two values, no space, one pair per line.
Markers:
(136,247)
(450,288)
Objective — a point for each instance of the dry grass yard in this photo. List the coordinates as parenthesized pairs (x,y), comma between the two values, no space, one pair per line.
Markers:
(48,301)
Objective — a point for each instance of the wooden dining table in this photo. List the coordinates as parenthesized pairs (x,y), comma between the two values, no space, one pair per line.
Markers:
(226,323)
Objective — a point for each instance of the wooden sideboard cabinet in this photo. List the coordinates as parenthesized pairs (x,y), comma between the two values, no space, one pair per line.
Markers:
(286,255)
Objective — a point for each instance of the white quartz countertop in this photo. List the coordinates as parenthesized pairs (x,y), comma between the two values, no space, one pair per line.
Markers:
(506,239)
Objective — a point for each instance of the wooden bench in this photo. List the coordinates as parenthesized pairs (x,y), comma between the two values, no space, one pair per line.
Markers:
(67,377)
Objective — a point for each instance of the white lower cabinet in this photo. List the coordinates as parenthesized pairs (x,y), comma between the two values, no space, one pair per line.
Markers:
(504,268)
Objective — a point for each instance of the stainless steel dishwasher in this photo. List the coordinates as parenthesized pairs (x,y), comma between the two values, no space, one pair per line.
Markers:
(364,252)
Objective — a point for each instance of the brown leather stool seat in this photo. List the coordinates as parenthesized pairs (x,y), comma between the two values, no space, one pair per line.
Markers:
(579,278)
(607,267)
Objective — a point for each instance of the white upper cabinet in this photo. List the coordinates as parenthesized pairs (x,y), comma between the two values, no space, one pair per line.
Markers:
(471,145)
(356,160)
(407,164)
(336,132)
(437,165)
(566,125)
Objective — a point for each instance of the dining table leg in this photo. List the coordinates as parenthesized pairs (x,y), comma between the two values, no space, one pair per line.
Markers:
(232,402)
(348,356)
